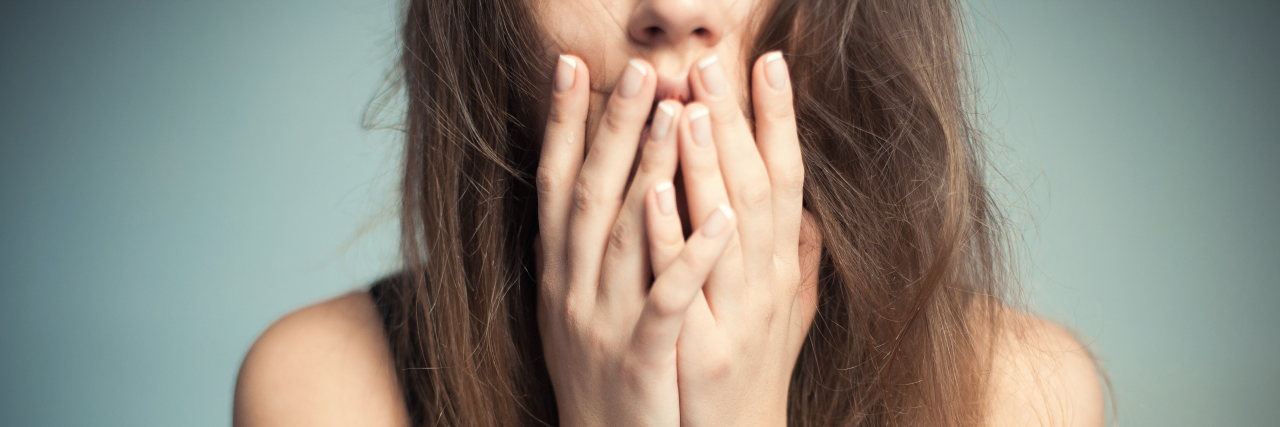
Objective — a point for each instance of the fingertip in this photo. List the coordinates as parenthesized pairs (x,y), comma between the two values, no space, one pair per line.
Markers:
(718,222)
(569,99)
(671,108)
(668,107)
(696,111)
(775,71)
(566,73)
(645,68)
(637,76)
(726,210)
(698,116)
(664,120)
(661,186)
(573,62)
(664,194)
(571,72)
(682,125)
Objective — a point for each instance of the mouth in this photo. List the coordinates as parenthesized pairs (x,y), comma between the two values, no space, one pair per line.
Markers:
(673,88)
(668,88)
(679,90)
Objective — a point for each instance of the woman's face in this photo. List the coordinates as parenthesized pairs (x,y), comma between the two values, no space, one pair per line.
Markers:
(671,34)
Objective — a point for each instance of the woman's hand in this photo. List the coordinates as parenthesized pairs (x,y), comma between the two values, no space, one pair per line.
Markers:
(608,336)
(742,334)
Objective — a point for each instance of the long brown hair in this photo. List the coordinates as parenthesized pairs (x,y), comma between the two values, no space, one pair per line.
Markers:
(912,249)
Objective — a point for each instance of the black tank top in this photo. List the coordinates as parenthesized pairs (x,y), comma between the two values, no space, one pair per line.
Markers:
(385,293)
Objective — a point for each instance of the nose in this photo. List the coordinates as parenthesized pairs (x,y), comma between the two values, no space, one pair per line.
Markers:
(676,22)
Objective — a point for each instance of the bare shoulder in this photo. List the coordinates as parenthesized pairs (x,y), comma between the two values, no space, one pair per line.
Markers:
(1041,375)
(324,365)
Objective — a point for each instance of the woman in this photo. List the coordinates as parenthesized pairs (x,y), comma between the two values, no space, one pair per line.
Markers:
(706,212)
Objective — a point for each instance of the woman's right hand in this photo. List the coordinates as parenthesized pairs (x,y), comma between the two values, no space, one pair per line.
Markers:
(608,336)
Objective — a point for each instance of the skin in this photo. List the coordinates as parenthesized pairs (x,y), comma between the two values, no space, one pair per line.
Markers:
(714,338)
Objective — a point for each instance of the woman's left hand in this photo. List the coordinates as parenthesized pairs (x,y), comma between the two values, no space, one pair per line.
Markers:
(742,334)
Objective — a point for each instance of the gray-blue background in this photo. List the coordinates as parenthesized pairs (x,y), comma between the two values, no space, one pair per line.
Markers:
(176,175)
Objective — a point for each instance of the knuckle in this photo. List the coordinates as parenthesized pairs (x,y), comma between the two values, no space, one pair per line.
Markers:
(598,148)
(791,179)
(623,237)
(665,301)
(575,313)
(579,323)
(546,181)
(613,120)
(557,115)
(755,197)
(586,198)
(718,365)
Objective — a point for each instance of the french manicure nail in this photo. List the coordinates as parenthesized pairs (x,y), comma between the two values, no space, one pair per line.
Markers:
(566,71)
(632,79)
(700,125)
(716,222)
(775,70)
(661,122)
(712,75)
(666,200)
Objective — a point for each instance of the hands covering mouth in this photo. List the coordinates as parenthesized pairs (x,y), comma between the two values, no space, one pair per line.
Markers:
(713,337)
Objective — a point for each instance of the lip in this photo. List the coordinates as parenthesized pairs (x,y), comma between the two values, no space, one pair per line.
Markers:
(676,88)
(673,88)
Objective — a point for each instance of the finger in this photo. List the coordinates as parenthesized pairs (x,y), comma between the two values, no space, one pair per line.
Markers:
(597,192)
(699,161)
(745,176)
(625,277)
(561,155)
(666,234)
(704,193)
(779,146)
(659,325)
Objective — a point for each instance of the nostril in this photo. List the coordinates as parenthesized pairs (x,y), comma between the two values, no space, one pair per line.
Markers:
(673,22)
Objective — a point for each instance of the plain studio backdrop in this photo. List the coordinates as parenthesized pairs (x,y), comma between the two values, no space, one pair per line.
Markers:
(176,175)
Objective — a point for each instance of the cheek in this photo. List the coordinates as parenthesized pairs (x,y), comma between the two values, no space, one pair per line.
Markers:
(586,28)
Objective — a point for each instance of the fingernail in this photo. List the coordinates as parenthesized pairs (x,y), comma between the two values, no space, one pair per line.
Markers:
(712,75)
(661,122)
(716,222)
(700,125)
(775,70)
(632,79)
(565,73)
(666,198)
